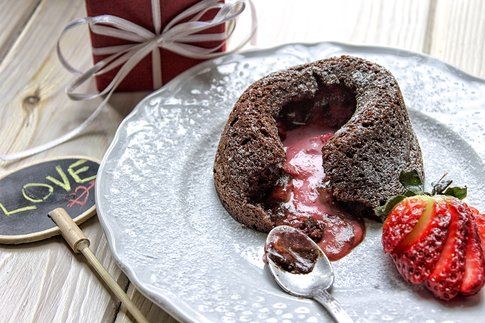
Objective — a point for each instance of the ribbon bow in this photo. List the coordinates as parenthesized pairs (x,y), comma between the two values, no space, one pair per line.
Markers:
(178,36)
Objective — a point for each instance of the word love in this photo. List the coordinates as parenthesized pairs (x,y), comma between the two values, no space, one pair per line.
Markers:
(66,181)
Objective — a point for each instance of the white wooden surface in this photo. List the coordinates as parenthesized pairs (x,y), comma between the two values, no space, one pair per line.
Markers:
(44,282)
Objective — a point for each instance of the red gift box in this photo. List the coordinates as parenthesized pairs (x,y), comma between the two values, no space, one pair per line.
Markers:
(140,13)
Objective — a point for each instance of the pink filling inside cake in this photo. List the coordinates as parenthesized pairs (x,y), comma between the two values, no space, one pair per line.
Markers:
(302,196)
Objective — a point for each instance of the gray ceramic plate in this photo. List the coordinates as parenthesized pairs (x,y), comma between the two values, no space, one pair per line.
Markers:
(177,244)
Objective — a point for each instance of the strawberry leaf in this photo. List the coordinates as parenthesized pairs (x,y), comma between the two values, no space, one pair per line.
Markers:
(410,178)
(414,186)
(441,185)
(384,210)
(409,193)
(414,190)
(412,182)
(456,191)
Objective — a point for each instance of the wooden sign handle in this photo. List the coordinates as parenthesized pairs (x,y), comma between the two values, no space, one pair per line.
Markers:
(80,244)
(69,230)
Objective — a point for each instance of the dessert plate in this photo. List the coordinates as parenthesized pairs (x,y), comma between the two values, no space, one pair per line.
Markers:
(177,244)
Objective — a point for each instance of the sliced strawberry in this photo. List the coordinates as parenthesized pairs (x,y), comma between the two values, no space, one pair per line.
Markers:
(417,254)
(446,279)
(442,245)
(401,221)
(480,221)
(474,277)
(473,210)
(421,228)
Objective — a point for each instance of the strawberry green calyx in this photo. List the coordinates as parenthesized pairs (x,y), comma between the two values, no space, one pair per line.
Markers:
(442,187)
(412,182)
(413,186)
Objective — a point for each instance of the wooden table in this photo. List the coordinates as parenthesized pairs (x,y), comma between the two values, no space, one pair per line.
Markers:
(43,282)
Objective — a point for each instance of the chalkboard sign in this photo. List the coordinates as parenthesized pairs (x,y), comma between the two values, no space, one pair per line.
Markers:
(28,194)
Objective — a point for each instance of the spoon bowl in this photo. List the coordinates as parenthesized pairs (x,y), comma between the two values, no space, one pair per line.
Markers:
(302,285)
(314,284)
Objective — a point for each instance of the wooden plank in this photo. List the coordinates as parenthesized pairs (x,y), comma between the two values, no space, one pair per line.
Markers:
(46,282)
(14,15)
(398,23)
(457,34)
(32,97)
(152,312)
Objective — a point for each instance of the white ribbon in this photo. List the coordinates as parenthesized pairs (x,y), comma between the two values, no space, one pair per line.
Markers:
(177,37)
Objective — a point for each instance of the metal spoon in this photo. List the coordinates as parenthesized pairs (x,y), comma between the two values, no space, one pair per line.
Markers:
(312,285)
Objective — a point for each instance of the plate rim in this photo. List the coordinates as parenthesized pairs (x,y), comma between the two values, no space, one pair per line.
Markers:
(178,309)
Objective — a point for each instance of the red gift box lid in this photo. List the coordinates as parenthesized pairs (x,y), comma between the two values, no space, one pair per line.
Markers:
(140,13)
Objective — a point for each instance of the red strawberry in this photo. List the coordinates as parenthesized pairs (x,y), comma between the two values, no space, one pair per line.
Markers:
(446,279)
(474,277)
(480,221)
(435,239)
(401,221)
(417,254)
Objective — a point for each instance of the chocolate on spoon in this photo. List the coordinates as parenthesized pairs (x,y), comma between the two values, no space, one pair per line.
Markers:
(301,268)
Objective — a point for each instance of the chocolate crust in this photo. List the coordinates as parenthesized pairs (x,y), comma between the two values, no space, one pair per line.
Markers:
(362,161)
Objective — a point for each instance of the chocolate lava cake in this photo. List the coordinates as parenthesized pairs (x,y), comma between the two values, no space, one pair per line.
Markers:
(328,137)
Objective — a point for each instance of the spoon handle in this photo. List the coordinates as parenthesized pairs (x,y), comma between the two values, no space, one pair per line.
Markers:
(332,306)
